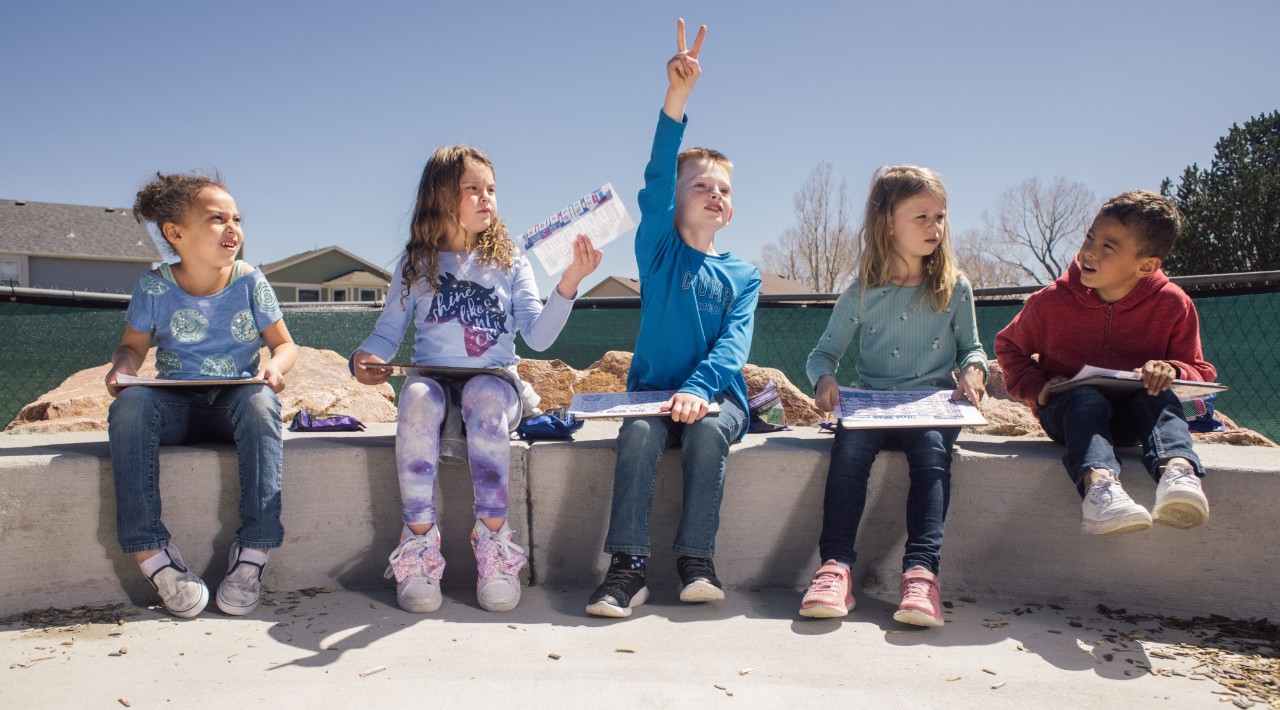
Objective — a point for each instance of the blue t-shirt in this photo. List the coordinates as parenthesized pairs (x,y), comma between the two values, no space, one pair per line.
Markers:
(201,337)
(697,310)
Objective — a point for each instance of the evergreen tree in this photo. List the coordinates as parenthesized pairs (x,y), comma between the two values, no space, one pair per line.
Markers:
(1232,209)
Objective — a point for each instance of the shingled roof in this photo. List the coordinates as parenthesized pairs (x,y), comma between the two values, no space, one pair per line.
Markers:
(74,231)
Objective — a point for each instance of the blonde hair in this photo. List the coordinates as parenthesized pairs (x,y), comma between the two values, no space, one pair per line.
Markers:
(711,154)
(889,188)
(435,218)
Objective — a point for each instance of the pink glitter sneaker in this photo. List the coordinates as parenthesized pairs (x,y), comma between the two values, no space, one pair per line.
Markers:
(498,563)
(417,566)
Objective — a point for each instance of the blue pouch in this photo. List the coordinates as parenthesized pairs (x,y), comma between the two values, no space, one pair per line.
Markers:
(306,421)
(556,424)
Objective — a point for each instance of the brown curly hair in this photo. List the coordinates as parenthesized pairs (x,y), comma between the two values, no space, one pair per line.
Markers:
(435,218)
(168,198)
(1154,217)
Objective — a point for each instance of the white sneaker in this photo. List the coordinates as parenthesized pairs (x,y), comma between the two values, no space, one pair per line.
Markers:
(1180,501)
(498,563)
(183,592)
(1107,509)
(417,566)
(240,590)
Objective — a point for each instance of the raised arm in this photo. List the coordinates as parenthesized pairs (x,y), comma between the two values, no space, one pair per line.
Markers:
(683,71)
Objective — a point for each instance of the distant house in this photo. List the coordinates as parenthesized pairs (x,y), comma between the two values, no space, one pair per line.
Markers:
(332,274)
(621,286)
(73,247)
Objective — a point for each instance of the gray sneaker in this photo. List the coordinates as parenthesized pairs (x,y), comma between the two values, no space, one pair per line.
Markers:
(240,590)
(417,566)
(1107,509)
(181,590)
(1180,501)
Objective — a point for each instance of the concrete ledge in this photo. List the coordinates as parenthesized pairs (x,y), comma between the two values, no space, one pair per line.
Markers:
(1012,533)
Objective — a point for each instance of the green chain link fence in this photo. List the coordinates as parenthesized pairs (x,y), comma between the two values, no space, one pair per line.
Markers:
(42,344)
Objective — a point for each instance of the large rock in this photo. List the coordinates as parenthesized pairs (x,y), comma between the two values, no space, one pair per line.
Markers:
(318,382)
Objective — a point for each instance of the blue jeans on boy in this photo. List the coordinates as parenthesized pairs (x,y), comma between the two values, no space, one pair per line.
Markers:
(928,453)
(142,419)
(704,450)
(1092,425)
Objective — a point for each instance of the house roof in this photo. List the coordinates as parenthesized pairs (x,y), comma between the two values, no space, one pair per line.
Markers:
(358,278)
(286,262)
(770,285)
(74,231)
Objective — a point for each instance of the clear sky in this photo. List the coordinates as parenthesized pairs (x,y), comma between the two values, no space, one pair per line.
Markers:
(320,115)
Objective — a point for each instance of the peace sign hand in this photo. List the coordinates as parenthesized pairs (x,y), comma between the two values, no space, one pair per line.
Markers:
(683,69)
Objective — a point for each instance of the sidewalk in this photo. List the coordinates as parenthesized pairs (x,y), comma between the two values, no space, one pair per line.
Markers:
(348,649)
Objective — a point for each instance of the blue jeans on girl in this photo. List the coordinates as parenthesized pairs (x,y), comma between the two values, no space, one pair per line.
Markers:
(1091,426)
(142,419)
(704,450)
(928,453)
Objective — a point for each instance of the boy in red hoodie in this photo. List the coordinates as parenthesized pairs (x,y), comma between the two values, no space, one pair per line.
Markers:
(1115,308)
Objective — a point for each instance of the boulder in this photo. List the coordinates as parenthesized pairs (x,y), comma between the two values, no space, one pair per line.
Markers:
(318,382)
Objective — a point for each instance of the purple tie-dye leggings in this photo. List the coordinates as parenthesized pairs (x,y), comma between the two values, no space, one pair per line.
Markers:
(489,405)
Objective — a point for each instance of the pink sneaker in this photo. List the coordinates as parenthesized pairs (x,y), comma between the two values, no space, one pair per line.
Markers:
(828,595)
(498,563)
(920,592)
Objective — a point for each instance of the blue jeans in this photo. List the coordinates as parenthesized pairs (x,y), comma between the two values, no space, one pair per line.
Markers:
(928,453)
(1091,426)
(704,450)
(142,419)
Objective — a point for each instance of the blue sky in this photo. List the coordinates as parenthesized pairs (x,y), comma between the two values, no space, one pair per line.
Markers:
(321,115)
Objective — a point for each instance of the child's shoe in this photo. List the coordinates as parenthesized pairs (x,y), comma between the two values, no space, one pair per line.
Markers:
(1107,509)
(830,594)
(417,566)
(239,591)
(622,589)
(498,563)
(698,581)
(183,592)
(1180,501)
(920,592)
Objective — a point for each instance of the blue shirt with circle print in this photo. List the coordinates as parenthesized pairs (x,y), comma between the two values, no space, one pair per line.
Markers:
(204,337)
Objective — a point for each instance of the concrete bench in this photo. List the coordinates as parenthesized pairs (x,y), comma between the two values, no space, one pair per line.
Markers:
(1012,533)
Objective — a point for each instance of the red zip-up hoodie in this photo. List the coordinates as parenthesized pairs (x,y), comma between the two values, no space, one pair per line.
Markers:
(1068,326)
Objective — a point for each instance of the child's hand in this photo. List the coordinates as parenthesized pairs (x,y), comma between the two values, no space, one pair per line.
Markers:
(1157,375)
(685,407)
(1043,399)
(271,374)
(364,375)
(124,367)
(585,260)
(828,394)
(683,69)
(972,385)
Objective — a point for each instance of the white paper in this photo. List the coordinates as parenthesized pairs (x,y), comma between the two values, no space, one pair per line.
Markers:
(1106,379)
(600,215)
(130,381)
(625,404)
(873,409)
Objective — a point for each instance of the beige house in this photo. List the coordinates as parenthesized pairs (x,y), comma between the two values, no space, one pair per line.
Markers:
(329,275)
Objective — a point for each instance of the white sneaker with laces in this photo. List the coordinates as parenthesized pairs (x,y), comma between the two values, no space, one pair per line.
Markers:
(498,563)
(1180,500)
(417,566)
(1108,510)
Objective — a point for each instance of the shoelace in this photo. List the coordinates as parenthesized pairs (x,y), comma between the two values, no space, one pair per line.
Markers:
(499,555)
(1103,491)
(917,590)
(1179,475)
(415,558)
(616,581)
(695,567)
(825,582)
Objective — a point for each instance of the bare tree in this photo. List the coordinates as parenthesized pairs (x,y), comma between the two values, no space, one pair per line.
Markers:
(1037,228)
(821,250)
(975,258)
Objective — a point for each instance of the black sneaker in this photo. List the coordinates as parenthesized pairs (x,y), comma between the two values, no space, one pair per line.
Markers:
(622,589)
(698,580)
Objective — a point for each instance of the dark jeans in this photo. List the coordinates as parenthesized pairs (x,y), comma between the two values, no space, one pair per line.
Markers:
(1092,425)
(928,453)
